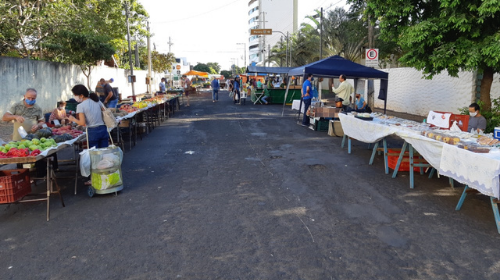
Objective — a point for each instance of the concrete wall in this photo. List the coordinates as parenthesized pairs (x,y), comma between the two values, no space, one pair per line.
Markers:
(408,92)
(54,81)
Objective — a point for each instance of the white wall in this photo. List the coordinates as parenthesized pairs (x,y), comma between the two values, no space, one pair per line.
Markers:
(54,81)
(408,92)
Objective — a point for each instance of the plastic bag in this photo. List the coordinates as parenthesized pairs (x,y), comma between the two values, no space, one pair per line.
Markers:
(454,127)
(85,163)
(104,164)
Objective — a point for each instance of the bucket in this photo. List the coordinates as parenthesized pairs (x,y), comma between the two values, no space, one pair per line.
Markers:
(496,133)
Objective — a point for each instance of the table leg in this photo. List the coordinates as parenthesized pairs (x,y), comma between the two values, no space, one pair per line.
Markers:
(462,198)
(494,206)
(349,145)
(432,172)
(412,175)
(386,159)
(400,159)
(451,181)
(375,147)
(49,182)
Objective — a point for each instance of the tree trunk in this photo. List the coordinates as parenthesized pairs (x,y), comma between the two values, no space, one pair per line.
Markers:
(486,88)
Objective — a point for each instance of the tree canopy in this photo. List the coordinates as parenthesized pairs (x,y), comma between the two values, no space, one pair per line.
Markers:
(451,35)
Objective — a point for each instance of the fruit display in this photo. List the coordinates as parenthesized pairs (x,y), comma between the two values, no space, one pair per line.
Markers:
(25,148)
(128,108)
(67,130)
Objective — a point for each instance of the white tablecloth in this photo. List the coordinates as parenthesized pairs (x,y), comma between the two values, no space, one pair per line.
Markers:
(478,171)
(365,131)
(430,149)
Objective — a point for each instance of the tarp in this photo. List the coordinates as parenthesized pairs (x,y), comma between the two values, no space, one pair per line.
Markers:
(196,73)
(336,65)
(268,70)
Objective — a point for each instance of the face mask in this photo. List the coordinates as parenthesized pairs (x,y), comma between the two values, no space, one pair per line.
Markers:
(30,102)
(473,114)
(61,108)
(78,99)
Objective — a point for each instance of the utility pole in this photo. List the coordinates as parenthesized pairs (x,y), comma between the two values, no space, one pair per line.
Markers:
(244,52)
(321,35)
(287,49)
(281,57)
(269,50)
(149,61)
(170,45)
(130,51)
(264,38)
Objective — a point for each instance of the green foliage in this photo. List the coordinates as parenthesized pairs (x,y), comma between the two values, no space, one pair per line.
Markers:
(214,66)
(81,49)
(226,73)
(451,35)
(202,67)
(160,62)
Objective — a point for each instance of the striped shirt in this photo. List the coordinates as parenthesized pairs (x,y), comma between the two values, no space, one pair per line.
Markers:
(92,111)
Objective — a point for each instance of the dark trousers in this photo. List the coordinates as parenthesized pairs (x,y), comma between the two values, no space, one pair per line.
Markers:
(307,103)
(236,93)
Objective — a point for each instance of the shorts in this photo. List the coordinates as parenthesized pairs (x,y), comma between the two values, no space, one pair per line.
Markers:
(186,92)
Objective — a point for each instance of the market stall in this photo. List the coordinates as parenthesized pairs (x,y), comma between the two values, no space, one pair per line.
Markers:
(471,159)
(277,94)
(333,67)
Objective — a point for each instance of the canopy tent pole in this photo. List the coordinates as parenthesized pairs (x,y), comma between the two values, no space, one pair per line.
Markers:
(284,101)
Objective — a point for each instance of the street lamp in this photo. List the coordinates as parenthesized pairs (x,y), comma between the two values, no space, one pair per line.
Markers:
(287,37)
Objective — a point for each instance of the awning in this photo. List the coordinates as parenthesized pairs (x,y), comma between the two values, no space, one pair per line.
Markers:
(196,73)
(268,70)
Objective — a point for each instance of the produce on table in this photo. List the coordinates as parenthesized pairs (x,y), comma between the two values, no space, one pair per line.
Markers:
(128,108)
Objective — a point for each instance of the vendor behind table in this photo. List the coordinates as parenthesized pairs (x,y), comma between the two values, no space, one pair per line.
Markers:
(25,114)
(477,123)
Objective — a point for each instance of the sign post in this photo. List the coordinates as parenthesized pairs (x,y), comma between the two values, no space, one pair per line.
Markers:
(261,32)
(371,58)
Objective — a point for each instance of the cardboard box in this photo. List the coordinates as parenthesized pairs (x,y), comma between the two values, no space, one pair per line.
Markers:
(335,128)
(327,112)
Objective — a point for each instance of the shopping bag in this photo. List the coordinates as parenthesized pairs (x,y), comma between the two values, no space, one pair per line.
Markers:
(85,163)
(231,94)
(108,117)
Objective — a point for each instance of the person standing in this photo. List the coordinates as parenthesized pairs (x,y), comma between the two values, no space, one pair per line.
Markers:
(236,89)
(162,85)
(477,122)
(306,98)
(186,84)
(344,91)
(25,113)
(110,99)
(99,90)
(215,90)
(89,113)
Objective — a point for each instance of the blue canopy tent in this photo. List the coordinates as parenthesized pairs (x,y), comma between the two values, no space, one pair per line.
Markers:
(268,70)
(334,66)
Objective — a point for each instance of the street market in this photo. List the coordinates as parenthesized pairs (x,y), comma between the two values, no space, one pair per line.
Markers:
(256,139)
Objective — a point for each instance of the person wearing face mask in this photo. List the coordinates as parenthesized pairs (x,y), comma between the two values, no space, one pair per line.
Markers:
(59,115)
(89,113)
(25,113)
(477,123)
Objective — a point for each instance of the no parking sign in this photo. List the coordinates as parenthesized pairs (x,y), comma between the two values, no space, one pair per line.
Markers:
(371,57)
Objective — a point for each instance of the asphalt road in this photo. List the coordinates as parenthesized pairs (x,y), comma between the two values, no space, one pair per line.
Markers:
(222,191)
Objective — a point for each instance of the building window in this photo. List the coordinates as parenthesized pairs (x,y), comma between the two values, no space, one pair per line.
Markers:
(253,10)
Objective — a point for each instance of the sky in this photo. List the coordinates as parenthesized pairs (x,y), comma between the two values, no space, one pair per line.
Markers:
(208,31)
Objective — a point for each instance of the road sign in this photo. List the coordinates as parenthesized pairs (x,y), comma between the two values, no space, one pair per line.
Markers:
(178,67)
(261,31)
(371,57)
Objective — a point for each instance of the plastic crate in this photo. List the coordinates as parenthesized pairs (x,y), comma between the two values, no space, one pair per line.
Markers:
(14,185)
(392,161)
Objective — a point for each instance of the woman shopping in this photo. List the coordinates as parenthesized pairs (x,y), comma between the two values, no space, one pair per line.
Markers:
(89,113)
